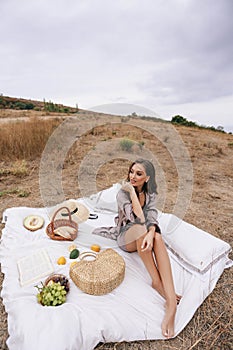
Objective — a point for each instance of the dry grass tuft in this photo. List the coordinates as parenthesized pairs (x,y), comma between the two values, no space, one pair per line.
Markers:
(15,191)
(25,140)
(20,168)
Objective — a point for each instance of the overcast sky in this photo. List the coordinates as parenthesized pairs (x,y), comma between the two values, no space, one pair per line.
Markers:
(169,56)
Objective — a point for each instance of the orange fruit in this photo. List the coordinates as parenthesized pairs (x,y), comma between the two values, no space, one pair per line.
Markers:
(73,263)
(72,247)
(61,260)
(95,247)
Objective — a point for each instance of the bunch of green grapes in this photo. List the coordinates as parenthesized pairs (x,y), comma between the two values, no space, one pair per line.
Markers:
(52,294)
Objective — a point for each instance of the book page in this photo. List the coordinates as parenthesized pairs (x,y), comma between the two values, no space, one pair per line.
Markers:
(34,266)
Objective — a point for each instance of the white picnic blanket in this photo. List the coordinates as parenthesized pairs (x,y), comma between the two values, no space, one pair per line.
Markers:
(133,311)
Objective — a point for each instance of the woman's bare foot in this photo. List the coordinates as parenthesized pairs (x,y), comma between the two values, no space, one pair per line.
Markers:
(168,321)
(160,290)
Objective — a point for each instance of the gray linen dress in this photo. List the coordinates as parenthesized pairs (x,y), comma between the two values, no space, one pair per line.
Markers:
(126,217)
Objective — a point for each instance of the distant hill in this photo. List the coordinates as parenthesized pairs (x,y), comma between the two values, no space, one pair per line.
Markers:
(7,102)
(15,103)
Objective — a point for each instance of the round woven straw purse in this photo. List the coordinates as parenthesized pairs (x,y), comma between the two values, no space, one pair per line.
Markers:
(99,276)
(62,229)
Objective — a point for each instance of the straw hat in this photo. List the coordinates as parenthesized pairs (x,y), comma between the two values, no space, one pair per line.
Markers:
(79,213)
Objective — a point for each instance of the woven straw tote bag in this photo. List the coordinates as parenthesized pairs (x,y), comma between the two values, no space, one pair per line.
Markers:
(99,276)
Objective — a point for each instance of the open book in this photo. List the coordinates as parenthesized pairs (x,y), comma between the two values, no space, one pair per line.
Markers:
(33,267)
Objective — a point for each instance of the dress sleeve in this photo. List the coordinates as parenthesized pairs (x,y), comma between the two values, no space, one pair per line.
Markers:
(125,205)
(151,213)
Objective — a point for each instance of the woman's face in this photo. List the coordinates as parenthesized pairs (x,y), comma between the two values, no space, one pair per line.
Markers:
(137,175)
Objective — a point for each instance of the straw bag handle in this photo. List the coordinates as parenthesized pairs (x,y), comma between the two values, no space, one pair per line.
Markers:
(83,255)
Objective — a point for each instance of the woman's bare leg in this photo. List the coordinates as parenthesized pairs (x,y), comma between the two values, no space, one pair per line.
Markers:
(146,256)
(148,260)
(162,279)
(164,268)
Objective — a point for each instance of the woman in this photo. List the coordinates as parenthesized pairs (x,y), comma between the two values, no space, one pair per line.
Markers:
(137,230)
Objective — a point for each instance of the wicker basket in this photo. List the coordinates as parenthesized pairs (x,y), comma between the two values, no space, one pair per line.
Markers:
(59,223)
(101,275)
(57,277)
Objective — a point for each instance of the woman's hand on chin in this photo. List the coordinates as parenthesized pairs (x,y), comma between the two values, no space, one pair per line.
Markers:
(128,187)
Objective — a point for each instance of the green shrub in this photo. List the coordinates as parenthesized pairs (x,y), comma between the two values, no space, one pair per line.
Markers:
(50,107)
(126,145)
(178,119)
(2,102)
(21,105)
(29,106)
(18,105)
(54,107)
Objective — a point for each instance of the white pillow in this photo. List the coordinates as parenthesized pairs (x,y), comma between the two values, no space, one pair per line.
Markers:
(192,247)
(104,201)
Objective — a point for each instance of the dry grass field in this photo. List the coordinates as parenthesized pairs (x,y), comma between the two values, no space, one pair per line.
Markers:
(24,135)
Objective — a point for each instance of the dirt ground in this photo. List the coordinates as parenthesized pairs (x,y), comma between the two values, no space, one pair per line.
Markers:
(200,189)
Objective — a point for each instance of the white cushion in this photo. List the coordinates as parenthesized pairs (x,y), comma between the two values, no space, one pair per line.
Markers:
(104,201)
(192,247)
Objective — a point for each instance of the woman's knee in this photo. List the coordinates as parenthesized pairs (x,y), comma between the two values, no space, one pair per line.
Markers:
(129,247)
(143,253)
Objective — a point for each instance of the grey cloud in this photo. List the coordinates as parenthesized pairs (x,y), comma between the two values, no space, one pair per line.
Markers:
(187,80)
(198,65)
(180,50)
